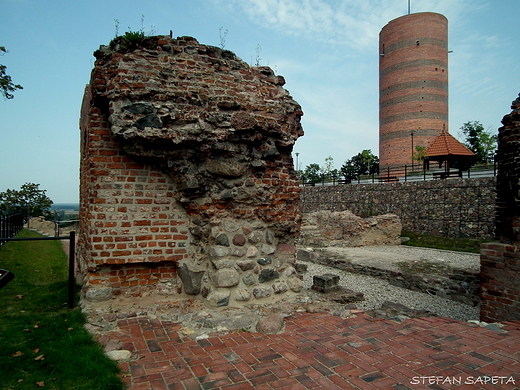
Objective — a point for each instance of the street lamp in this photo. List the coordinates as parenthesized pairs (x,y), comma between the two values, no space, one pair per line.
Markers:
(297,154)
(411,133)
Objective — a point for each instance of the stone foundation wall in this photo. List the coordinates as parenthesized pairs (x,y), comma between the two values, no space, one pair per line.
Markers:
(500,261)
(187,180)
(453,208)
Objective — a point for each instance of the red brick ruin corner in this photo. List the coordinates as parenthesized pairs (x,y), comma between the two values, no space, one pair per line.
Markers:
(187,181)
(500,261)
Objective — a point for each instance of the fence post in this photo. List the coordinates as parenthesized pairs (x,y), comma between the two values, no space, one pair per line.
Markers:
(72,262)
(405,172)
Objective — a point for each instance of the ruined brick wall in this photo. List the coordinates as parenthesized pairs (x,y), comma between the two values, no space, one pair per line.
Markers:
(187,181)
(413,85)
(452,208)
(500,261)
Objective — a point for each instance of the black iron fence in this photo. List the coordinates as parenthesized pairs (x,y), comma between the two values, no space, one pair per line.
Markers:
(10,224)
(405,173)
(72,253)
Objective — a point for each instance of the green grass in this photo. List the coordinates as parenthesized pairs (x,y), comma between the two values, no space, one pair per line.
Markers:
(42,343)
(437,242)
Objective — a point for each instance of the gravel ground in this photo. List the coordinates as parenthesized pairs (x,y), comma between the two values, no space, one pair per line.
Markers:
(376,291)
(461,260)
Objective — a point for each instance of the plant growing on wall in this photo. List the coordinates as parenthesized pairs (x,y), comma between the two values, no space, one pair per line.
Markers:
(131,40)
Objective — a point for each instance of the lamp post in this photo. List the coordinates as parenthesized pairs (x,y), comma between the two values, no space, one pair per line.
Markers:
(297,168)
(411,133)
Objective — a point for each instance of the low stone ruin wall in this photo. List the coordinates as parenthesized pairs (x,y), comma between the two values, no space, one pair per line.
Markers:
(460,285)
(457,208)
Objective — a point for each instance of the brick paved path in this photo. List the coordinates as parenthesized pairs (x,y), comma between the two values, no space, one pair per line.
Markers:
(321,351)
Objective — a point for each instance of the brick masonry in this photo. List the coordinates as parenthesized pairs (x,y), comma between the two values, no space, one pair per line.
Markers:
(500,261)
(413,85)
(187,180)
(452,208)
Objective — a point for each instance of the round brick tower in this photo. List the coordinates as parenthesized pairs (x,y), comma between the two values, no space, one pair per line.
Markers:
(413,85)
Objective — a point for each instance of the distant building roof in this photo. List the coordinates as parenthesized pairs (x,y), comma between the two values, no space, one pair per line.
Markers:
(446,145)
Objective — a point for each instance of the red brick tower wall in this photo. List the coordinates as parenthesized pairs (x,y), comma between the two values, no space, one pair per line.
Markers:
(187,179)
(413,85)
(500,261)
(132,231)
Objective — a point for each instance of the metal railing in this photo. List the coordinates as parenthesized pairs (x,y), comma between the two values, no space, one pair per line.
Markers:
(72,260)
(10,224)
(407,173)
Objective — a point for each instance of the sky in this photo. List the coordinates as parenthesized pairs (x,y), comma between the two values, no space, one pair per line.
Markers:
(327,51)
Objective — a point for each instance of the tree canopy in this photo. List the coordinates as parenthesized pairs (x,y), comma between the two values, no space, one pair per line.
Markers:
(29,199)
(6,84)
(363,163)
(312,173)
(480,141)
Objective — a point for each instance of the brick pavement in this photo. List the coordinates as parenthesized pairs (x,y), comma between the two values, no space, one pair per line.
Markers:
(321,351)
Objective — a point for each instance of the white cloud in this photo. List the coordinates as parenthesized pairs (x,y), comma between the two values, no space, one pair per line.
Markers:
(351,23)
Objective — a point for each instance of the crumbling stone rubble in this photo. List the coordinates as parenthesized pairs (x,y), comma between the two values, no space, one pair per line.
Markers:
(343,228)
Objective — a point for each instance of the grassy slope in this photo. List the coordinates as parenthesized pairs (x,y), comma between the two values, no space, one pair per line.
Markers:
(41,341)
(452,244)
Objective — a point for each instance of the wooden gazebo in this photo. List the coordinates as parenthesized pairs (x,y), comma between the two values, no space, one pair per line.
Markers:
(449,153)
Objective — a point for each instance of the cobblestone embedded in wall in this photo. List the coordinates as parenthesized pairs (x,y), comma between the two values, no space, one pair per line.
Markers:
(452,208)
(187,180)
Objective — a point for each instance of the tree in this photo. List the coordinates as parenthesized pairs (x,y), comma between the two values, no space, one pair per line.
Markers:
(6,84)
(312,173)
(480,141)
(364,163)
(29,199)
(348,171)
(329,166)
(420,153)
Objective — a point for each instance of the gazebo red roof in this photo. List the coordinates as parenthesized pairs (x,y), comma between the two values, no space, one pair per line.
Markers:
(446,145)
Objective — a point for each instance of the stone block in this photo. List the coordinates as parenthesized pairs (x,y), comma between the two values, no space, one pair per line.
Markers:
(325,283)
(267,275)
(295,284)
(191,280)
(226,277)
(246,265)
(279,287)
(218,251)
(98,294)
(264,261)
(222,240)
(249,279)
(219,297)
(241,294)
(271,324)
(261,292)
(252,251)
(300,268)
(239,240)
(256,237)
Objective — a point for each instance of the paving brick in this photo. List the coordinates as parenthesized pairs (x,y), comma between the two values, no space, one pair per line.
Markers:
(295,364)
